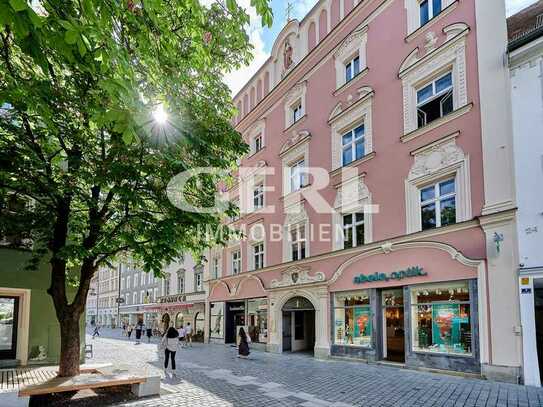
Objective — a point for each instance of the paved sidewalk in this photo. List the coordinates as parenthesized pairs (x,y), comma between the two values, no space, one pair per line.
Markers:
(212,375)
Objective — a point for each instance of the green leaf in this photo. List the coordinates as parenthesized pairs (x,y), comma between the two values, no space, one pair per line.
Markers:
(231,5)
(18,5)
(36,19)
(129,135)
(6,15)
(71,37)
(81,47)
(66,24)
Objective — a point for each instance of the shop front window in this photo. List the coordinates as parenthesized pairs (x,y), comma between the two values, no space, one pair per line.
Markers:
(216,320)
(257,321)
(353,319)
(442,318)
(179,320)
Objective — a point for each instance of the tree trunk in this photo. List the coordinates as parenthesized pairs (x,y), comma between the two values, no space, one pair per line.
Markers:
(69,346)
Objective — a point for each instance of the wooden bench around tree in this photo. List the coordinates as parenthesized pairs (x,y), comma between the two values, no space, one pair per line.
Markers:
(141,386)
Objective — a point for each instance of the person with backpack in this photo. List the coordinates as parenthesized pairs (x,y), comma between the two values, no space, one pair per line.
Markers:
(170,343)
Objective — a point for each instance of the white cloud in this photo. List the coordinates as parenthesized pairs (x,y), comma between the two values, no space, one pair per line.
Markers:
(302,7)
(235,80)
(514,6)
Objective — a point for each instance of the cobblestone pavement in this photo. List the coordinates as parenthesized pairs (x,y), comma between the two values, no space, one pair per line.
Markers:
(212,375)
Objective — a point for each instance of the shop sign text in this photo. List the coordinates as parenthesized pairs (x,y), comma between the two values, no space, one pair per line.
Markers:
(410,272)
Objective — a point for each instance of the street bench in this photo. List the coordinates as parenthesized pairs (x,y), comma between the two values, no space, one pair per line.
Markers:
(141,386)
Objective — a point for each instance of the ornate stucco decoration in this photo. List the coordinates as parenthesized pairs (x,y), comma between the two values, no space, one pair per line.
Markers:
(295,214)
(436,161)
(417,69)
(295,275)
(354,44)
(436,158)
(351,193)
(296,138)
(344,118)
(351,44)
(430,41)
(287,55)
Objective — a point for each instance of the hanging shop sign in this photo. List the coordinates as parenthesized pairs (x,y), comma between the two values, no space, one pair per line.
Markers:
(415,271)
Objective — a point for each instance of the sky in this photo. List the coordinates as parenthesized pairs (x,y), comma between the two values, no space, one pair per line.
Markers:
(263,38)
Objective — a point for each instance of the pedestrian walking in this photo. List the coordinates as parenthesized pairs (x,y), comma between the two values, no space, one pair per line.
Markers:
(139,330)
(129,330)
(149,332)
(244,341)
(170,342)
(188,334)
(182,335)
(96,331)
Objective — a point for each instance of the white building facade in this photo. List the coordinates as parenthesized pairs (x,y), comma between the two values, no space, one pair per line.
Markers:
(526,65)
(183,297)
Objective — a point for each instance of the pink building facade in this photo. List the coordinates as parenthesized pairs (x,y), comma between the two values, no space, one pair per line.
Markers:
(377,200)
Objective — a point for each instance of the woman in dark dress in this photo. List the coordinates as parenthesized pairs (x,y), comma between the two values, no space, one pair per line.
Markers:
(244,340)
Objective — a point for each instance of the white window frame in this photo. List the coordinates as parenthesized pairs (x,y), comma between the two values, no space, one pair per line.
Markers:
(198,281)
(155,293)
(258,196)
(297,111)
(453,163)
(292,154)
(353,226)
(350,71)
(136,279)
(353,196)
(258,255)
(258,130)
(167,285)
(344,120)
(135,298)
(353,46)
(297,175)
(431,13)
(181,282)
(235,261)
(142,281)
(128,282)
(451,56)
(296,244)
(215,267)
(435,95)
(295,98)
(352,144)
(258,143)
(413,13)
(437,199)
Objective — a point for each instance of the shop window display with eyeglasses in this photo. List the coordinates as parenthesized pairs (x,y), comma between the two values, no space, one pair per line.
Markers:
(441,318)
(353,319)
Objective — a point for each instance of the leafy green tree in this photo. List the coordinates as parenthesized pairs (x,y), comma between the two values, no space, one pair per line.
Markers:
(79,82)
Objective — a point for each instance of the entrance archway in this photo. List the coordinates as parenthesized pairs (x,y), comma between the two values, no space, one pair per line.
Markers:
(298,325)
